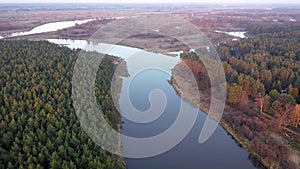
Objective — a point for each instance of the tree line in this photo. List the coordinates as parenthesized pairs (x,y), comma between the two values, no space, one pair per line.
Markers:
(263,83)
(267,69)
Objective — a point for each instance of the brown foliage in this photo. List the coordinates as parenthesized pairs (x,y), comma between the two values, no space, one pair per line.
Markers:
(255,129)
(297,115)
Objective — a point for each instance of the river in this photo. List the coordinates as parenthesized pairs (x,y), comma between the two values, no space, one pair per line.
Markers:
(235,34)
(48,27)
(219,152)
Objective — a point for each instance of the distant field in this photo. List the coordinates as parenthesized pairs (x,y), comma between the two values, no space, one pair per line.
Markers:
(207,18)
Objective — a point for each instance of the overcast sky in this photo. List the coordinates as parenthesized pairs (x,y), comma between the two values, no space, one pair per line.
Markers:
(154,1)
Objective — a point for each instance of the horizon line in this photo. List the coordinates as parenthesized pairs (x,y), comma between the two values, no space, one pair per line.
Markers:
(170,2)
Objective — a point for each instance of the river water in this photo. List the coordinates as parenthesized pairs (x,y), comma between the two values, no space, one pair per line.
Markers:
(49,27)
(235,34)
(219,152)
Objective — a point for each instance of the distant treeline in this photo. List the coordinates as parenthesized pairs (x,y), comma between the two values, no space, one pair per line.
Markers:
(255,29)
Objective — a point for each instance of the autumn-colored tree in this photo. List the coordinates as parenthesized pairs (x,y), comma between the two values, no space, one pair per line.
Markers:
(244,100)
(266,103)
(294,92)
(297,116)
(235,93)
(284,116)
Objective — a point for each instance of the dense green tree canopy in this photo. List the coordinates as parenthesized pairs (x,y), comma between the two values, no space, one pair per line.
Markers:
(39,127)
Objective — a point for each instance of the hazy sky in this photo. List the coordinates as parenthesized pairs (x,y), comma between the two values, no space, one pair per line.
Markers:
(154,1)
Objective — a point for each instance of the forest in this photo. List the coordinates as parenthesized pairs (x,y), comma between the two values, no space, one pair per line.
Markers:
(39,127)
(263,83)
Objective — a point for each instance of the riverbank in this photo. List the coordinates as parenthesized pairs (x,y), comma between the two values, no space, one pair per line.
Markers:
(251,142)
(204,107)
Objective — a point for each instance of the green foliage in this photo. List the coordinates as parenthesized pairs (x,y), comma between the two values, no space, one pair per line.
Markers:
(263,76)
(266,63)
(235,93)
(39,127)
